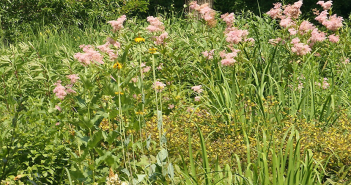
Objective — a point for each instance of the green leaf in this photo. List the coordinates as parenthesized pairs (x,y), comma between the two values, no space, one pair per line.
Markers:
(96,138)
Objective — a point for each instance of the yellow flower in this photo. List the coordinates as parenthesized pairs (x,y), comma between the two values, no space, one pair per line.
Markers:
(152,50)
(139,39)
(117,65)
(117,93)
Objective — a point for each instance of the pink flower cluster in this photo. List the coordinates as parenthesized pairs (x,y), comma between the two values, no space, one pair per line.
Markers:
(89,55)
(208,54)
(197,89)
(160,40)
(326,5)
(288,12)
(118,24)
(60,90)
(306,26)
(106,48)
(324,85)
(228,19)
(275,41)
(332,23)
(207,13)
(228,58)
(235,36)
(155,24)
(73,78)
(317,36)
(300,48)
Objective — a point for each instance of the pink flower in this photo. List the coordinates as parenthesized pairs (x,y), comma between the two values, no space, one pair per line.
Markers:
(287,22)
(73,78)
(333,38)
(57,124)
(252,40)
(190,109)
(118,24)
(305,26)
(69,89)
(228,62)
(161,39)
(155,24)
(135,79)
(274,41)
(293,11)
(236,36)
(346,61)
(228,19)
(292,31)
(160,66)
(325,83)
(105,48)
(58,108)
(89,55)
(323,16)
(170,106)
(275,12)
(208,54)
(194,5)
(197,98)
(146,69)
(197,89)
(135,96)
(326,5)
(317,36)
(301,49)
(60,90)
(334,23)
(295,40)
(159,86)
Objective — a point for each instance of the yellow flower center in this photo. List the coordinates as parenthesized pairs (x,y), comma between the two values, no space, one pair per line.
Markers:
(117,65)
(152,50)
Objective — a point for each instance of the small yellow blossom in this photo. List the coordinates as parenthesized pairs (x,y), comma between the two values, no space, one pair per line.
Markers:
(117,93)
(152,50)
(139,39)
(117,65)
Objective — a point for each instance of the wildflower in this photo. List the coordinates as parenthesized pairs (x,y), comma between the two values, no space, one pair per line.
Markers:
(274,41)
(323,16)
(159,86)
(300,86)
(293,11)
(117,65)
(228,61)
(346,61)
(155,24)
(236,36)
(58,108)
(135,79)
(334,22)
(333,38)
(228,19)
(170,106)
(208,54)
(275,12)
(197,89)
(139,39)
(305,26)
(326,5)
(295,40)
(89,55)
(325,83)
(161,39)
(317,36)
(73,78)
(301,49)
(146,69)
(152,50)
(69,89)
(197,98)
(118,24)
(117,93)
(287,22)
(105,48)
(190,109)
(57,124)
(60,90)
(160,66)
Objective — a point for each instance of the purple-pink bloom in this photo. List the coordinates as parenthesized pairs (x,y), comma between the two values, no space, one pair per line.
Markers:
(58,108)
(236,36)
(334,22)
(301,49)
(326,5)
(161,39)
(208,54)
(228,19)
(317,36)
(159,86)
(197,98)
(197,89)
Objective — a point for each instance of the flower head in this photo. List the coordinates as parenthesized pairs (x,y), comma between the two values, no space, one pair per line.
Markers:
(73,78)
(197,89)
(117,65)
(139,39)
(159,86)
(152,50)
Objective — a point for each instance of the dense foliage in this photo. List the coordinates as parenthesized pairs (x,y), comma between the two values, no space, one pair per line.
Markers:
(211,99)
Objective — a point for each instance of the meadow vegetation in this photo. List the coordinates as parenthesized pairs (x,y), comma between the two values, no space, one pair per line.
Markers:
(199,98)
